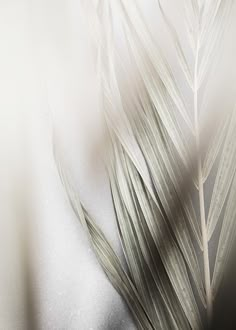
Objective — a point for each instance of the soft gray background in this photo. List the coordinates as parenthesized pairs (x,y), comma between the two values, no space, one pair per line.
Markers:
(47,74)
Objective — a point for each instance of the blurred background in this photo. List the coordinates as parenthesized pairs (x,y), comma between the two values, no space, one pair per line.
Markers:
(49,277)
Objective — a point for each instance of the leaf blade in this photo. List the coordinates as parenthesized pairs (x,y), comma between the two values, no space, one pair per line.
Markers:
(224,177)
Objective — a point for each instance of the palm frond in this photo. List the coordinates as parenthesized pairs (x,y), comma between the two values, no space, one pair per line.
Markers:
(105,254)
(178,47)
(161,161)
(215,146)
(169,252)
(159,92)
(224,177)
(136,29)
(131,210)
(227,238)
(212,34)
(164,234)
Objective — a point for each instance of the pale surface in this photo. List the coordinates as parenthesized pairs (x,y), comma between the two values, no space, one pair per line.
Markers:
(47,74)
(46,67)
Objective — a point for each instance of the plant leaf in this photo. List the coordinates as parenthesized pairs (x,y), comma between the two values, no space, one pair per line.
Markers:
(212,39)
(134,24)
(112,104)
(214,147)
(224,177)
(158,95)
(158,230)
(178,47)
(227,236)
(130,221)
(167,192)
(107,257)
